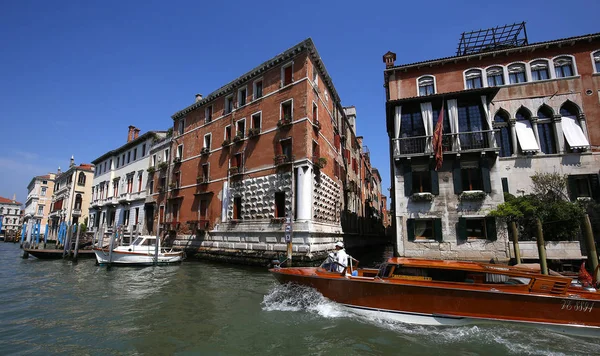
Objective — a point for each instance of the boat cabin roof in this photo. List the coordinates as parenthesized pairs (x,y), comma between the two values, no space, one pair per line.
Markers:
(466,266)
(144,240)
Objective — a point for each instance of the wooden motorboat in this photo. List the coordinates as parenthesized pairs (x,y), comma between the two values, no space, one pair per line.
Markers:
(141,252)
(437,292)
(54,254)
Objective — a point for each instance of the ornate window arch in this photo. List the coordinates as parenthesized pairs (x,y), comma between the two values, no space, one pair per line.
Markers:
(504,137)
(540,70)
(596,61)
(546,132)
(495,76)
(426,85)
(473,78)
(564,66)
(517,73)
(81,178)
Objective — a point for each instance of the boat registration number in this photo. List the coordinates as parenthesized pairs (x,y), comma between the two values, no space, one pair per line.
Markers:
(577,305)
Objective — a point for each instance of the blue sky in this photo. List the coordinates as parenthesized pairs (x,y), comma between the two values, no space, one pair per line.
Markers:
(74,76)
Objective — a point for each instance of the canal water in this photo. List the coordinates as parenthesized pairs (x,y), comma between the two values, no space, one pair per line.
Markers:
(58,307)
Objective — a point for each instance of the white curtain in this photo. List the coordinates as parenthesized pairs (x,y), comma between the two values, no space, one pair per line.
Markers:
(427,114)
(526,136)
(488,119)
(225,202)
(453,118)
(573,133)
(397,121)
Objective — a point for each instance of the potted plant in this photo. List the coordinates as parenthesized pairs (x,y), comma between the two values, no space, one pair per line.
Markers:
(225,143)
(172,185)
(162,165)
(472,195)
(151,169)
(321,162)
(425,196)
(202,179)
(285,121)
(238,137)
(254,132)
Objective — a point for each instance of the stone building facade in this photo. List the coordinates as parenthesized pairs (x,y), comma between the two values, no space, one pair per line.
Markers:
(10,215)
(261,155)
(508,113)
(120,184)
(39,197)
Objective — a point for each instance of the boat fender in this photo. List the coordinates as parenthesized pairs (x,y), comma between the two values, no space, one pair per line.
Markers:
(354,273)
(129,250)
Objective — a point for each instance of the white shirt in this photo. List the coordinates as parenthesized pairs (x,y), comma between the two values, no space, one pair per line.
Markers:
(342,259)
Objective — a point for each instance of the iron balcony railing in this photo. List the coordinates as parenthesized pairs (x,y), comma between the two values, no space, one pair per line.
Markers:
(451,142)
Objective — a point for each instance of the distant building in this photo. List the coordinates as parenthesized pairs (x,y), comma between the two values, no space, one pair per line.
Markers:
(511,109)
(71,196)
(39,199)
(10,215)
(273,144)
(119,187)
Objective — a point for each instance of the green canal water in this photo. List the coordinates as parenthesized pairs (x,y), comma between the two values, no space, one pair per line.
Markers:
(58,307)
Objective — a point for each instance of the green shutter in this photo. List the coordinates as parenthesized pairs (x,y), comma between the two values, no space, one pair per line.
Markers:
(461,230)
(457,177)
(437,230)
(595,187)
(572,184)
(407,179)
(410,229)
(490,228)
(485,175)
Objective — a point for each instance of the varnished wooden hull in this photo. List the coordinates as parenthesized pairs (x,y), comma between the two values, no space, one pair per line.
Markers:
(452,304)
(56,254)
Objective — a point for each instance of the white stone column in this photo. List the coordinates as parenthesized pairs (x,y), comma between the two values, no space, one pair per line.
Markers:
(559,138)
(513,137)
(304,187)
(534,121)
(583,125)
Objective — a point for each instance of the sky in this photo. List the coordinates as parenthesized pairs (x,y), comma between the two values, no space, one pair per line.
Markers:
(75,74)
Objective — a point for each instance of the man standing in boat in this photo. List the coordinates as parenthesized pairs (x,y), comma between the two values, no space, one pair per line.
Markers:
(341,257)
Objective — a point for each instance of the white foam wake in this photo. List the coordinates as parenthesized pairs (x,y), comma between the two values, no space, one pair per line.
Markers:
(293,297)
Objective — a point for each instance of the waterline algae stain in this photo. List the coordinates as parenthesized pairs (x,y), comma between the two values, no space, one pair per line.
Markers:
(57,307)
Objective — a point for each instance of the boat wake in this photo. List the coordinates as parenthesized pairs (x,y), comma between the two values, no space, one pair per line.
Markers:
(508,339)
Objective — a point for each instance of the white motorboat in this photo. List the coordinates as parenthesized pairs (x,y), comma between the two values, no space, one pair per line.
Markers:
(142,251)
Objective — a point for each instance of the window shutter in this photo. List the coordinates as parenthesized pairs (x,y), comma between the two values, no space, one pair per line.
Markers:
(457,177)
(461,230)
(595,187)
(435,183)
(437,230)
(410,229)
(407,179)
(572,184)
(490,228)
(505,185)
(485,175)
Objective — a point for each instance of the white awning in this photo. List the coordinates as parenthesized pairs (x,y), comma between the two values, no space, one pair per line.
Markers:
(573,133)
(526,136)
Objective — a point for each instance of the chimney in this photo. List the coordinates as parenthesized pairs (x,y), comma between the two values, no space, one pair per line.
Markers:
(389,58)
(198,97)
(14,198)
(130,133)
(72,162)
(136,133)
(58,171)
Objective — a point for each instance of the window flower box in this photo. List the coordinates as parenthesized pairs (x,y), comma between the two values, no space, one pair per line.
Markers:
(238,137)
(284,122)
(226,143)
(173,185)
(163,165)
(205,151)
(320,162)
(417,197)
(201,180)
(472,195)
(317,125)
(253,132)
(177,160)
(151,170)
(279,160)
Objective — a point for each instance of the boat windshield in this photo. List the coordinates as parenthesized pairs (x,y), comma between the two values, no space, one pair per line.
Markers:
(137,241)
(144,241)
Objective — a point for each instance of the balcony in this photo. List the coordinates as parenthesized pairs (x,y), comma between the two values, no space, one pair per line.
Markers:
(124,197)
(76,212)
(474,141)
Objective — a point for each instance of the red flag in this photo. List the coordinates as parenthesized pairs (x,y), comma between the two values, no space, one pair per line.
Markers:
(437,139)
(584,276)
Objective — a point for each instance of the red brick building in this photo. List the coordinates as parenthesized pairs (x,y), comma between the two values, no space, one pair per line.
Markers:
(273,144)
(511,109)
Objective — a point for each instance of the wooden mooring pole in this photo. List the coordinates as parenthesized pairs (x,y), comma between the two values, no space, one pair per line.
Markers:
(75,253)
(515,238)
(66,239)
(110,247)
(591,246)
(541,247)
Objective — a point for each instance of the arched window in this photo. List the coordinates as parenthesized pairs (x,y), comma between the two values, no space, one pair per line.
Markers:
(503,137)
(413,130)
(525,135)
(539,70)
(81,179)
(473,79)
(569,110)
(571,128)
(546,130)
(596,60)
(495,76)
(471,125)
(78,202)
(563,67)
(426,85)
(516,73)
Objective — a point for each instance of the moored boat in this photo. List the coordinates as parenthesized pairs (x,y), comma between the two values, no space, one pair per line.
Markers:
(141,252)
(437,292)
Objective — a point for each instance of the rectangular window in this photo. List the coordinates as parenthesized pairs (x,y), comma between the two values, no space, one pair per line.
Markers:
(286,111)
(153,160)
(176,179)
(421,181)
(151,187)
(126,217)
(115,188)
(179,152)
(167,156)
(471,179)
(315,113)
(315,76)
(256,121)
(139,182)
(144,150)
(40,210)
(242,94)
(238,162)
(207,139)
(287,75)
(286,149)
(135,153)
(43,192)
(241,128)
(316,150)
(584,186)
(258,89)
(130,184)
(203,209)
(228,104)
(105,163)
(475,229)
(208,113)
(110,166)
(163,183)
(174,212)
(280,204)
(505,185)
(237,208)
(137,216)
(205,172)
(228,133)
(180,126)
(118,161)
(128,158)
(123,159)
